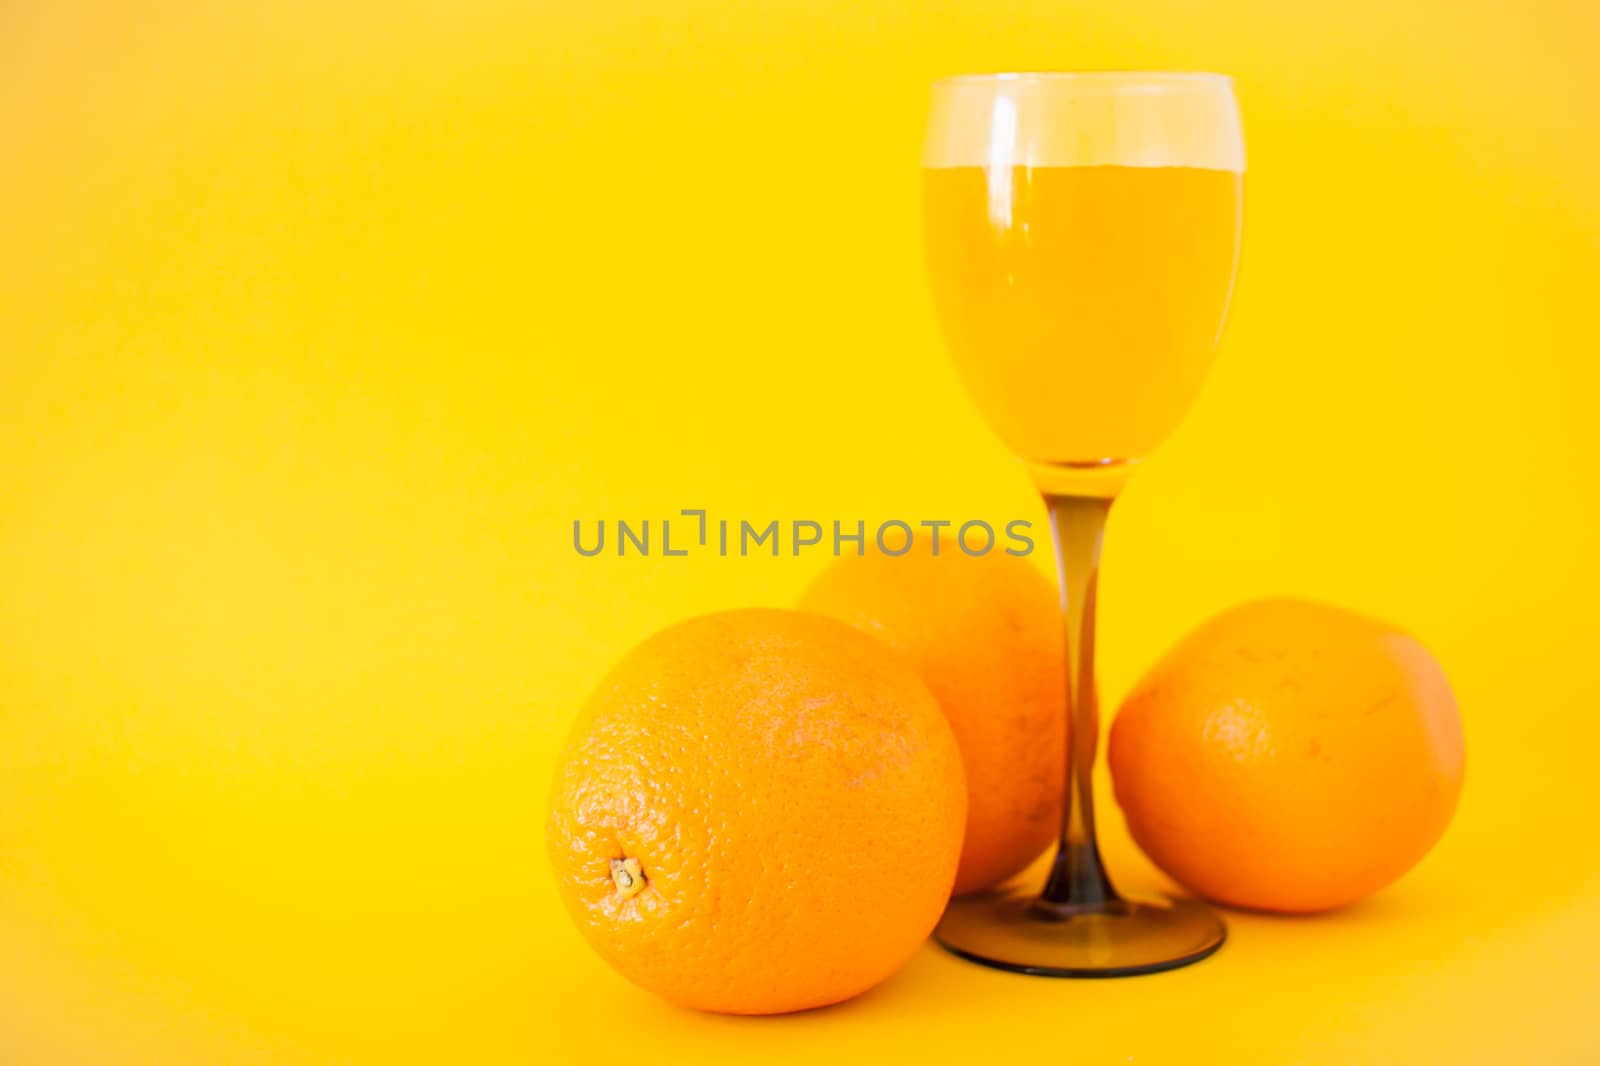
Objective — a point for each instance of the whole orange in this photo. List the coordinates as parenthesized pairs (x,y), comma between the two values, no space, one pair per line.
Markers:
(758,811)
(1289,756)
(985,632)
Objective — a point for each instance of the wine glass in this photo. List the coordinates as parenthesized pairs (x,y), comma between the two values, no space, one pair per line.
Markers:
(1081,233)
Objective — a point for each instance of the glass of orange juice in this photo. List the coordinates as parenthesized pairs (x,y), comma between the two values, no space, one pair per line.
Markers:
(1081,233)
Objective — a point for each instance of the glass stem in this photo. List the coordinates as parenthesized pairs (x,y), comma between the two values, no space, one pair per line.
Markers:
(1078,879)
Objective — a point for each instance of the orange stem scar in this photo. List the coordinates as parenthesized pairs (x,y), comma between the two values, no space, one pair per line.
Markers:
(628,877)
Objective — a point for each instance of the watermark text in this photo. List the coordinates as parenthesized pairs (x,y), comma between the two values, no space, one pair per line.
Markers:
(694,531)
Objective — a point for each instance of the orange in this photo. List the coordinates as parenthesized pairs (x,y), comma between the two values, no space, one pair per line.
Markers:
(985,632)
(1288,756)
(758,811)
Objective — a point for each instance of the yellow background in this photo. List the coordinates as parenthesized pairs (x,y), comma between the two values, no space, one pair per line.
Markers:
(319,327)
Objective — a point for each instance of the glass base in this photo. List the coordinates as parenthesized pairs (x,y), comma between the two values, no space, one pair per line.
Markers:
(1012,929)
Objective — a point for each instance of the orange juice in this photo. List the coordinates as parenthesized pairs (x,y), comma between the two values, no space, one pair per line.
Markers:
(1081,304)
